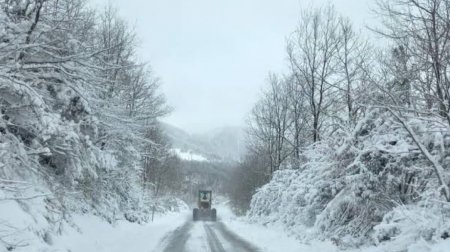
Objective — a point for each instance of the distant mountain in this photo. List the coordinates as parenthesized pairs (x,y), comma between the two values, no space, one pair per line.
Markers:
(221,144)
(225,142)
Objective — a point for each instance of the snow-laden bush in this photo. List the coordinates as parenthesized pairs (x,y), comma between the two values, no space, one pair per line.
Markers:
(406,225)
(346,185)
(294,197)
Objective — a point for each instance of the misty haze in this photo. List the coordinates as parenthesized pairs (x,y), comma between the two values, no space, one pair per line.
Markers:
(225,126)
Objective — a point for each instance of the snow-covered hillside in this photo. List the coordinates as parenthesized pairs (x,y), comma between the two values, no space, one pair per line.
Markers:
(223,144)
(188,155)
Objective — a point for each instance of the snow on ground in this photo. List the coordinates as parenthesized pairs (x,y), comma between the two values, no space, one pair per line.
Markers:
(275,238)
(93,234)
(271,239)
(19,228)
(99,236)
(197,241)
(188,155)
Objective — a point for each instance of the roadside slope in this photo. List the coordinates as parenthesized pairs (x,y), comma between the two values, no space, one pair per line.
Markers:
(95,235)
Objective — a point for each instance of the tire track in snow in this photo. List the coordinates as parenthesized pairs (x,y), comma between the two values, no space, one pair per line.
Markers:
(214,243)
(175,240)
(236,241)
(213,237)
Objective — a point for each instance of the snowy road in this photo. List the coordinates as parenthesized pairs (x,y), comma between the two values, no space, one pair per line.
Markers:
(204,236)
(176,232)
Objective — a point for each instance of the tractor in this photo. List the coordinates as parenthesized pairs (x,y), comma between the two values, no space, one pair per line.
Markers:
(204,210)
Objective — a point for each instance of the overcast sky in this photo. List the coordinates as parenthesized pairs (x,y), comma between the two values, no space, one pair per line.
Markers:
(213,56)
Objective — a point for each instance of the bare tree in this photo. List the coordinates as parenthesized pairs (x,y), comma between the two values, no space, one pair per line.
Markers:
(312,51)
(297,109)
(422,27)
(118,43)
(144,102)
(269,123)
(353,56)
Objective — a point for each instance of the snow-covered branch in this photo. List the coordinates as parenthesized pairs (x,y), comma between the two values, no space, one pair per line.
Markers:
(438,169)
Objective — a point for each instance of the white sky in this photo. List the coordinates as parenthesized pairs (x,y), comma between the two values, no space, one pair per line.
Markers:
(213,56)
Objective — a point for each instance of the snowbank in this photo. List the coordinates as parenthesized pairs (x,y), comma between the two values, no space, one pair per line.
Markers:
(96,235)
(35,232)
(270,237)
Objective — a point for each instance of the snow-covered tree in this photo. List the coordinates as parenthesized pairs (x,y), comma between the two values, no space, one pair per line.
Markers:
(75,108)
(381,128)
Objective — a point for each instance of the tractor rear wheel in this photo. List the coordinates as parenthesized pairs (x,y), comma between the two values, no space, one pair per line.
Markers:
(213,214)
(195,214)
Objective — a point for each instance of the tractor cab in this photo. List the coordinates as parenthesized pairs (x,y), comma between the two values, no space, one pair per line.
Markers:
(204,199)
